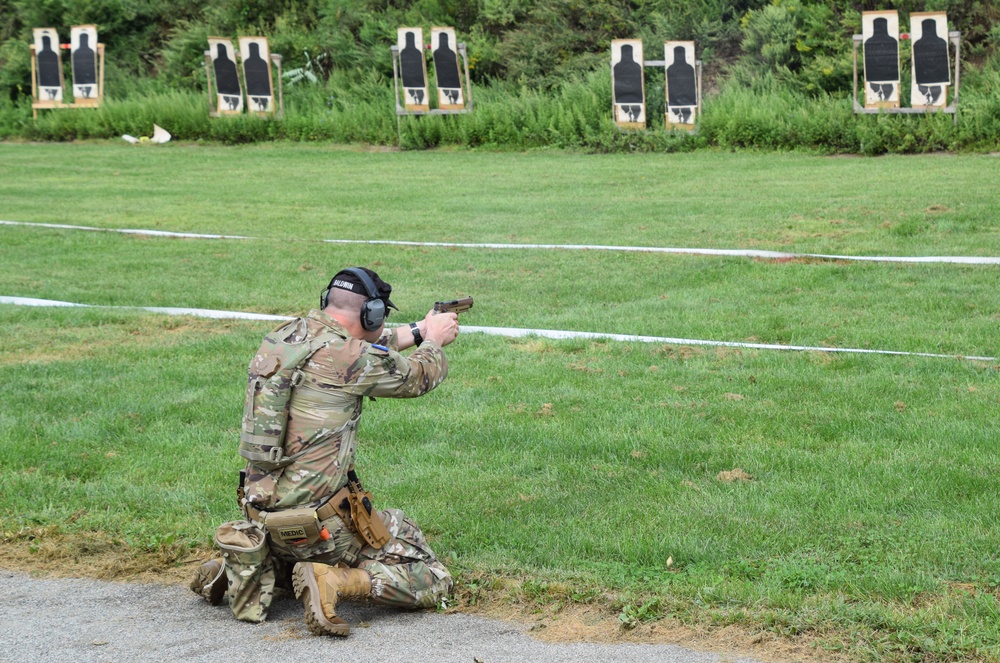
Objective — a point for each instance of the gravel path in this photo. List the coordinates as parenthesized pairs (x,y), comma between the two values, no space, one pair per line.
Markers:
(87,620)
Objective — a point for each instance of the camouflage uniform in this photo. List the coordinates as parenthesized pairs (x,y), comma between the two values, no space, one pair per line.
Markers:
(321,432)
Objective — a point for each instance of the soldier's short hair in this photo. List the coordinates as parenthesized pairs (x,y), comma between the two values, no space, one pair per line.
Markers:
(345,300)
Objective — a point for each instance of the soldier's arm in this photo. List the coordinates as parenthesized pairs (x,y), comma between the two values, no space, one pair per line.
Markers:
(373,369)
(393,375)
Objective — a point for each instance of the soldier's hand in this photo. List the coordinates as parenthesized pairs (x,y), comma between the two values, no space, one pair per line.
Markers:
(442,327)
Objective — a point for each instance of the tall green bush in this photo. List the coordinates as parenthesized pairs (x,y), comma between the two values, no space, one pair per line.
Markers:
(804,46)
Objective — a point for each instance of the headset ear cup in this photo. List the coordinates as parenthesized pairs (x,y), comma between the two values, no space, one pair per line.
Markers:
(372,314)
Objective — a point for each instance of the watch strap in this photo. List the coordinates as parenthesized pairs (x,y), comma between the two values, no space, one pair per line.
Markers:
(417,338)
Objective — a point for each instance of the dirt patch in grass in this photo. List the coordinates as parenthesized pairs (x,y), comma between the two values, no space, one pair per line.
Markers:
(803,260)
(94,555)
(733,475)
(573,622)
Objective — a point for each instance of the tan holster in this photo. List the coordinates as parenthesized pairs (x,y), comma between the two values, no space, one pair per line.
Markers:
(365,518)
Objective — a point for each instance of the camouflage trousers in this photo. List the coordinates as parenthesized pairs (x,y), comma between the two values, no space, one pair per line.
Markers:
(405,572)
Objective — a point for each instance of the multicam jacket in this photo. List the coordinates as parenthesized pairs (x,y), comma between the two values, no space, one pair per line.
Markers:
(326,406)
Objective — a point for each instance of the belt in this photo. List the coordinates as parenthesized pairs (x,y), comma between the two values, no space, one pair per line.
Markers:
(328,509)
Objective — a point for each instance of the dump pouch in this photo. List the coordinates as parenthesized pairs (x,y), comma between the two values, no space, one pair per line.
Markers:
(366,519)
(293,526)
(249,569)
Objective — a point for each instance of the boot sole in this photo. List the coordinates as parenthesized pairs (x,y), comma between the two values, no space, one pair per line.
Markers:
(305,587)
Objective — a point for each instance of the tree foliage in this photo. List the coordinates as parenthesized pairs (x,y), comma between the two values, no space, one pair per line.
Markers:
(158,45)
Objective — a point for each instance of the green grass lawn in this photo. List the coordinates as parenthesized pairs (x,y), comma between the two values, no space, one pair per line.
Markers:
(927,205)
(868,523)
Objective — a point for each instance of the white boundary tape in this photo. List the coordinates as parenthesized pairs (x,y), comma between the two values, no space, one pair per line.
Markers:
(740,253)
(197,312)
(510,332)
(127,231)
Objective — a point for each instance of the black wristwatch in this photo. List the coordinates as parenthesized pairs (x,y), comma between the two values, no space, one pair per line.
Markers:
(417,338)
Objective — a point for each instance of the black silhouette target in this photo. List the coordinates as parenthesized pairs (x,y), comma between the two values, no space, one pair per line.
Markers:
(931,73)
(628,87)
(446,70)
(412,67)
(628,78)
(681,84)
(84,58)
(930,56)
(227,79)
(49,65)
(85,62)
(881,59)
(257,73)
(411,63)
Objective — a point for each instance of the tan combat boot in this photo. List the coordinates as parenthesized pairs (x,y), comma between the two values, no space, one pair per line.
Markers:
(319,586)
(210,581)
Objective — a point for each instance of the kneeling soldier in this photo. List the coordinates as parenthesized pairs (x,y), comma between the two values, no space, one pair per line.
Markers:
(304,505)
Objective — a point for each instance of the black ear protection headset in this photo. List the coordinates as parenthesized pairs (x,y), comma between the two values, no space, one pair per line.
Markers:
(373,311)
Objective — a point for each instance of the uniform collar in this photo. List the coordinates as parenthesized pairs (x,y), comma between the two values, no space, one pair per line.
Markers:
(322,318)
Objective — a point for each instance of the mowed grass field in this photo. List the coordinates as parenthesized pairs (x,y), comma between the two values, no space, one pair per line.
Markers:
(862,521)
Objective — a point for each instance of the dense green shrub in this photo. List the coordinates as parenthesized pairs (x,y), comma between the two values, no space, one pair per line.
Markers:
(805,46)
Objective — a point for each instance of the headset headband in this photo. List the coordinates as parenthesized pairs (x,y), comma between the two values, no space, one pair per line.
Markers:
(366,280)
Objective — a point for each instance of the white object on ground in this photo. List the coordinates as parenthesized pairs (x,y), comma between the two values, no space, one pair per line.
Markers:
(160,135)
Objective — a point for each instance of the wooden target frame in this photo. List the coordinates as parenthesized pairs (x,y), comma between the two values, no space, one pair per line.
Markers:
(277,90)
(37,103)
(882,89)
(683,116)
(939,22)
(449,97)
(955,39)
(692,129)
(402,109)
